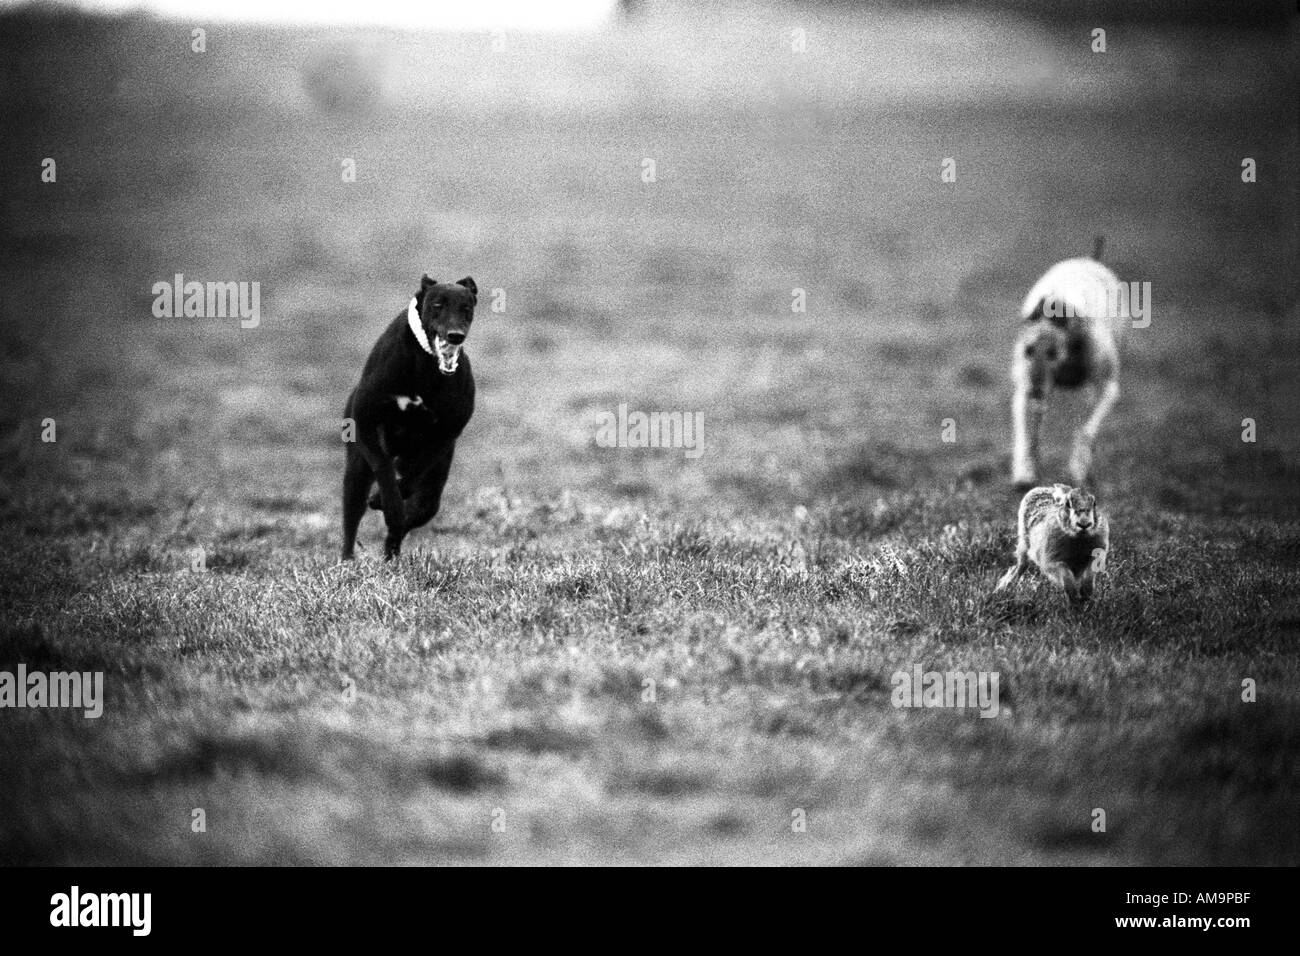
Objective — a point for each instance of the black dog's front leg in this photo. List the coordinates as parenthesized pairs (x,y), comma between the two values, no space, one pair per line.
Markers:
(426,499)
(390,494)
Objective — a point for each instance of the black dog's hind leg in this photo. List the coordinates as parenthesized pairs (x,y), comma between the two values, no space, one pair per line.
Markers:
(427,497)
(357,479)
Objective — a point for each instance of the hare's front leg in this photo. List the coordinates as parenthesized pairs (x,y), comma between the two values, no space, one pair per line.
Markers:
(1085,579)
(1060,575)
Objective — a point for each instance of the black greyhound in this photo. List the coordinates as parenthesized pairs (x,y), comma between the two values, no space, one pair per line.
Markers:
(415,397)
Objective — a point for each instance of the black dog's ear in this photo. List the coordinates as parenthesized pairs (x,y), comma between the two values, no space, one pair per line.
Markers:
(425,282)
(469,283)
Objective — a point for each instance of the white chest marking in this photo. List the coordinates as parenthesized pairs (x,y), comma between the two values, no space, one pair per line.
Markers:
(413,320)
(448,355)
(406,401)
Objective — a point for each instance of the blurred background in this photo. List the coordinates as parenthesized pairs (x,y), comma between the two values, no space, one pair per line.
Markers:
(795,146)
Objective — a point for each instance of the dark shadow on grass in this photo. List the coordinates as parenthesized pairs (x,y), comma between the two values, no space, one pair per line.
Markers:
(312,754)
(536,739)
(28,644)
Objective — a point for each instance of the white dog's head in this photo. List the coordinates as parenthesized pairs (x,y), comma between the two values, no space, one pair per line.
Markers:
(1041,350)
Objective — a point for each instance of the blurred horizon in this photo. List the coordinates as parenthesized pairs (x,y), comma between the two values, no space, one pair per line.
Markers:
(569,16)
(572,15)
(728,211)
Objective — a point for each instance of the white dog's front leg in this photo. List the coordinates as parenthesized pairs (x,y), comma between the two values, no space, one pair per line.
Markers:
(1085,437)
(1027,414)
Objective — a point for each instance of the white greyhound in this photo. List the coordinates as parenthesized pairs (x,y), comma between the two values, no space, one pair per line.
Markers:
(1073,318)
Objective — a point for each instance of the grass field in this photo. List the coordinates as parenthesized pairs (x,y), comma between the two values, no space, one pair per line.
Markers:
(826,538)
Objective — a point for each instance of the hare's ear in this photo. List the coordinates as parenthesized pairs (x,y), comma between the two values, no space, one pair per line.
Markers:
(1061,492)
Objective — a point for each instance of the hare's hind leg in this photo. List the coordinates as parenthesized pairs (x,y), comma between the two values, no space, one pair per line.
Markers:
(1016,570)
